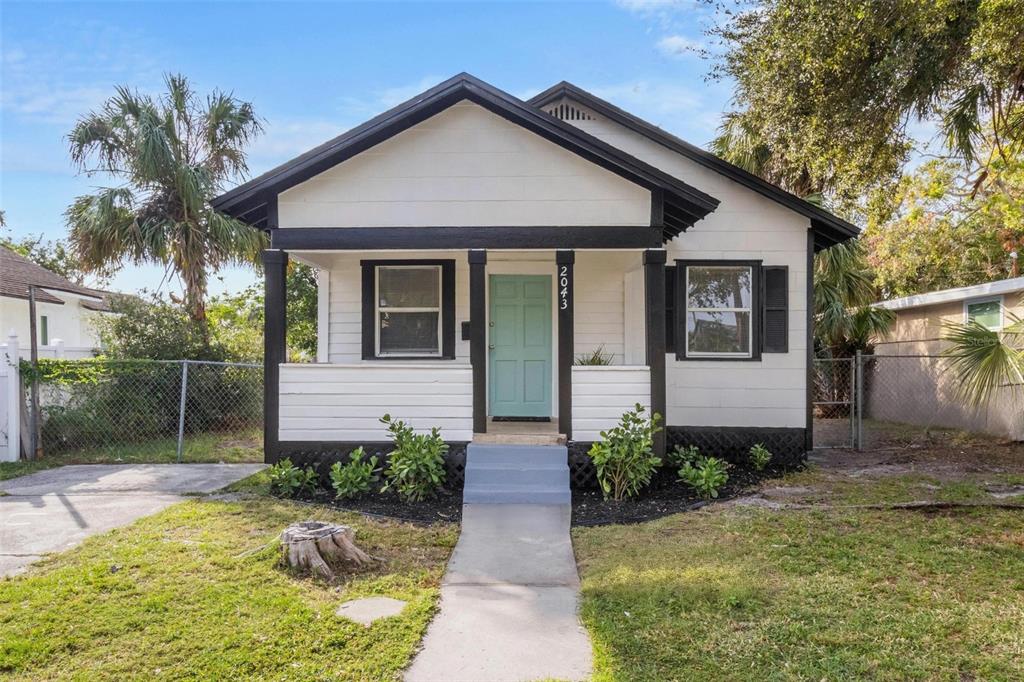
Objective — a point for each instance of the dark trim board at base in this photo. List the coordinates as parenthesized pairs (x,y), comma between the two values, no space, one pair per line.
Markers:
(322,454)
(733,443)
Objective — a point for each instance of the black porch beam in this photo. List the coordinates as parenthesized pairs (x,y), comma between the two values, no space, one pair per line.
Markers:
(566,340)
(482,237)
(478,336)
(275,267)
(654,309)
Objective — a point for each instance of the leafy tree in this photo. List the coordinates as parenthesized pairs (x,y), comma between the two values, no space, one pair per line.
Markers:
(844,319)
(941,229)
(173,154)
(236,320)
(154,329)
(826,91)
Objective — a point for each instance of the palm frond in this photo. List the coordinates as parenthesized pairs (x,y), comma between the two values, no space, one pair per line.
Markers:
(961,123)
(984,360)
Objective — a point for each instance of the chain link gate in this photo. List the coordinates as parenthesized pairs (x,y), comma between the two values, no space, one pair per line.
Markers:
(835,401)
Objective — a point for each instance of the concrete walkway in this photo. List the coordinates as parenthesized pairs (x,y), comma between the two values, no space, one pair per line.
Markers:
(508,601)
(55,509)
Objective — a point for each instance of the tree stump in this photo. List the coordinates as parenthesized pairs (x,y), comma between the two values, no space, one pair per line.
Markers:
(315,546)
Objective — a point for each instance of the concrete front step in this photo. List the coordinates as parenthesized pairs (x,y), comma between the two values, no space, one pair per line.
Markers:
(548,475)
(516,474)
(507,493)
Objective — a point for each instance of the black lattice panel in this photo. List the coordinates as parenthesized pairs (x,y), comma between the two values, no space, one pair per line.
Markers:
(582,473)
(322,456)
(733,444)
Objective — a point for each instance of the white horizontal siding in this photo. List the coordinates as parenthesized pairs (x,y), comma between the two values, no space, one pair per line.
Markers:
(346,402)
(745,226)
(600,396)
(464,166)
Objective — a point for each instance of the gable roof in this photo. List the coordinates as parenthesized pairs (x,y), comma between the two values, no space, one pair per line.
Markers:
(1002,286)
(828,229)
(19,273)
(683,205)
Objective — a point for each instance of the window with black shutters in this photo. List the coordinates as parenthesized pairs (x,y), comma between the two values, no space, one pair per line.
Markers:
(775,309)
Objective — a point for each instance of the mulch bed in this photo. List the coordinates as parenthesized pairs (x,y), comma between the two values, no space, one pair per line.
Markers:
(663,497)
(446,507)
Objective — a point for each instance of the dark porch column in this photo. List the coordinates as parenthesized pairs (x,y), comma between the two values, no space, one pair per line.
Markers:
(565,260)
(478,336)
(654,287)
(275,266)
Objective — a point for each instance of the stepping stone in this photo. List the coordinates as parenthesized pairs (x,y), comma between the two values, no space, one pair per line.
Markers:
(366,611)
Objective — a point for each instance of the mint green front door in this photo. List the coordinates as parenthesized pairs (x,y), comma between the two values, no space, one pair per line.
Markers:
(520,346)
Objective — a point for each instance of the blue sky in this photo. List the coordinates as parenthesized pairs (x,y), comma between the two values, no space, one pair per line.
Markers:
(313,70)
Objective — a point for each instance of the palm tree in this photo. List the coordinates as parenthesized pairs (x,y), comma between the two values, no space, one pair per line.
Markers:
(983,360)
(844,319)
(173,154)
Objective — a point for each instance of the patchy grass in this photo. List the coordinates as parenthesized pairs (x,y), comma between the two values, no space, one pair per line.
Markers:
(197,592)
(242,446)
(750,593)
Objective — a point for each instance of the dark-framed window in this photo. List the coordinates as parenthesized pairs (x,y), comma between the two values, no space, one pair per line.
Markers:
(408,309)
(718,309)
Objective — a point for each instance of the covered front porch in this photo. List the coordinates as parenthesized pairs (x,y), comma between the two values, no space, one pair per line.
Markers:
(486,344)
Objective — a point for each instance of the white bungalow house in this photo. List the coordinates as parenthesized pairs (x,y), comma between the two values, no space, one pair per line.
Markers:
(66,312)
(471,246)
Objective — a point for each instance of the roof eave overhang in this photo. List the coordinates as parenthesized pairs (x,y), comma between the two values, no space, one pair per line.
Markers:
(675,204)
(829,229)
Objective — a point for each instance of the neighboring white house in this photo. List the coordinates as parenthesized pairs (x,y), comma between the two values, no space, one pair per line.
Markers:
(65,311)
(471,246)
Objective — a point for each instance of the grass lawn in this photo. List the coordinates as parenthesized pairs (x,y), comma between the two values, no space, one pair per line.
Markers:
(241,446)
(196,592)
(753,593)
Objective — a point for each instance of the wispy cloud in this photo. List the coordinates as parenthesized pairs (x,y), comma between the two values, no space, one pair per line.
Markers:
(679,46)
(53,84)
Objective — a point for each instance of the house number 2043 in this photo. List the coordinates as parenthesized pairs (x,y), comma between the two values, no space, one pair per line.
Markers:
(563,287)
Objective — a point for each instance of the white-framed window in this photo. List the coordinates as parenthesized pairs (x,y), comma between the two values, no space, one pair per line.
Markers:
(986,311)
(720,305)
(407,310)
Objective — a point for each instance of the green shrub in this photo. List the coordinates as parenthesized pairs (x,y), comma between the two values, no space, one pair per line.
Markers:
(706,475)
(759,457)
(624,457)
(289,480)
(681,455)
(416,466)
(353,479)
(596,358)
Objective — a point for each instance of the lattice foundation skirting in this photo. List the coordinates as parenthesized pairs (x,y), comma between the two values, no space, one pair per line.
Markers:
(730,443)
(733,443)
(323,455)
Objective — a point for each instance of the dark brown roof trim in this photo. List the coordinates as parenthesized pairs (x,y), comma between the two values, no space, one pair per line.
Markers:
(828,228)
(684,205)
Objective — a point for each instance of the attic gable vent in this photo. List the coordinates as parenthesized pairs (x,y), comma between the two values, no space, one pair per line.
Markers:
(568,112)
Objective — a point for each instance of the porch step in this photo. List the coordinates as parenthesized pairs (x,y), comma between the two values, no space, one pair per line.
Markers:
(490,438)
(516,474)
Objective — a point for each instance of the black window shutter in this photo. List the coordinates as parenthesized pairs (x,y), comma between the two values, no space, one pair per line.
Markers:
(670,309)
(369,311)
(775,309)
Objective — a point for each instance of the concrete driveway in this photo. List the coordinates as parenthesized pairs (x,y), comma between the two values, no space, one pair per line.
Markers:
(54,510)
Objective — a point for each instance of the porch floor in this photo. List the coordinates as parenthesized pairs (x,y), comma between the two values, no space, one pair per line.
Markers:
(521,433)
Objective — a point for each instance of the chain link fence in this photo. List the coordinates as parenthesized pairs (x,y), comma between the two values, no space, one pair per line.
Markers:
(153,411)
(874,401)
